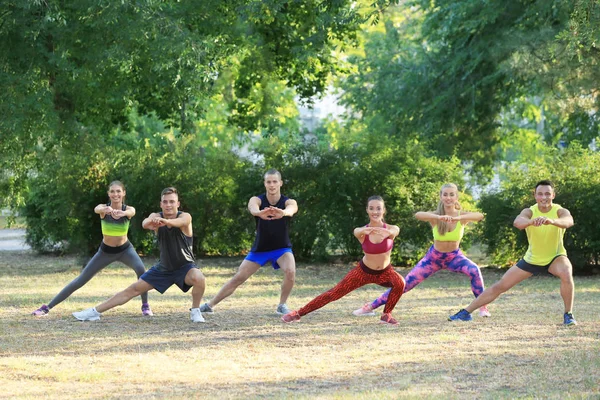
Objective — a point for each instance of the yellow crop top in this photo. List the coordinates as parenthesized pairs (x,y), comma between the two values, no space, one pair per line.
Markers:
(452,236)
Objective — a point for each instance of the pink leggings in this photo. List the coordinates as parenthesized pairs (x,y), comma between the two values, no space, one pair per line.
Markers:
(434,261)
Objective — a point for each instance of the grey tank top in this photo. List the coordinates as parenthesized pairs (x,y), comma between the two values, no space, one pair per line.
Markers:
(175,248)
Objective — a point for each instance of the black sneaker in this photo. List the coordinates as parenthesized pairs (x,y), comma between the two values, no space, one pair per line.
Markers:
(205,308)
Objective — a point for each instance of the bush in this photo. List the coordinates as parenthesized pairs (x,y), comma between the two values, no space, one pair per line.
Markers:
(576,174)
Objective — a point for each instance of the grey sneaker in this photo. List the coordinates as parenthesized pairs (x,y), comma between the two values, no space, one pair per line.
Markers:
(205,308)
(196,315)
(87,315)
(283,309)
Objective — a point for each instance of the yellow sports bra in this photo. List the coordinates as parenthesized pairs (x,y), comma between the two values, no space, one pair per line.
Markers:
(452,236)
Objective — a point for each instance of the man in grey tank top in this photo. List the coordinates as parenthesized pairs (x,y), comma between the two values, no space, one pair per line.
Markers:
(176,266)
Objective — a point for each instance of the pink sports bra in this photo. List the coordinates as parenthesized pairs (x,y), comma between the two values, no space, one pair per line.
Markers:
(369,247)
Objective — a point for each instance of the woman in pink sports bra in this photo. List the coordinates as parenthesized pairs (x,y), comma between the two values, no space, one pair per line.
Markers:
(377,240)
(447,223)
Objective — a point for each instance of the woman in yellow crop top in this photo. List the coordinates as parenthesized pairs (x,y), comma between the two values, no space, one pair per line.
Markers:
(115,216)
(448,225)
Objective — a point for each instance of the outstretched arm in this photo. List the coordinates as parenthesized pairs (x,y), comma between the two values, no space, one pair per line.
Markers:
(427,216)
(564,220)
(469,217)
(152,222)
(361,231)
(129,213)
(254,208)
(184,219)
(523,220)
(291,208)
(392,230)
(102,209)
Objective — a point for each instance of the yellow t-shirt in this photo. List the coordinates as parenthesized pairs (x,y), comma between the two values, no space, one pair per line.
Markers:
(546,241)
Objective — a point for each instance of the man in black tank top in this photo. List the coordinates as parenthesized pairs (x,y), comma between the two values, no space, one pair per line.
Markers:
(272,212)
(176,266)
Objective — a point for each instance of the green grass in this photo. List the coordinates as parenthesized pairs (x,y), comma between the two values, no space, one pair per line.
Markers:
(244,351)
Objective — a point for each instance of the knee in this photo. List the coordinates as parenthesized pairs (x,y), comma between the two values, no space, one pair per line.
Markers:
(241,276)
(131,292)
(290,274)
(565,276)
(498,288)
(475,272)
(198,280)
(400,285)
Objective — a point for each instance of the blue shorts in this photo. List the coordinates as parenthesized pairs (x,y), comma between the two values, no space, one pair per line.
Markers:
(162,280)
(263,257)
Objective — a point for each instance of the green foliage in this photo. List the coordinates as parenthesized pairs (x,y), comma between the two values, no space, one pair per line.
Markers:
(575,173)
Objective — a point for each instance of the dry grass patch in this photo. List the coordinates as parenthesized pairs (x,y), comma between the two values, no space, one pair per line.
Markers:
(244,351)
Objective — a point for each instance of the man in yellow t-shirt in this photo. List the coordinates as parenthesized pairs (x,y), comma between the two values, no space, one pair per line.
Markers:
(545,224)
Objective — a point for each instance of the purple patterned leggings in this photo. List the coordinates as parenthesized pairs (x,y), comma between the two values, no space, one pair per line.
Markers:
(434,261)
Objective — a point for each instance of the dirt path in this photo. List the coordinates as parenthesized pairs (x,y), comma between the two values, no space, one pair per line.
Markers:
(13,239)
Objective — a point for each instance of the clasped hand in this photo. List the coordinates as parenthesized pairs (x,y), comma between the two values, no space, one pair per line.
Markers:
(271,212)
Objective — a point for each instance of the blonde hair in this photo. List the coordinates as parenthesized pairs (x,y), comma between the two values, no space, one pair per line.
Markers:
(442,226)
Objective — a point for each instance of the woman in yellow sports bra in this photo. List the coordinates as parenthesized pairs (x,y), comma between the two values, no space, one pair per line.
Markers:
(448,225)
(115,217)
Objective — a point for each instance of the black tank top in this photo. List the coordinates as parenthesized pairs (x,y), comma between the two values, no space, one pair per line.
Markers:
(272,234)
(175,248)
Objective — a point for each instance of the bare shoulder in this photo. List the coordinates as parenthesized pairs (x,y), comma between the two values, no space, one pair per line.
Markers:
(185,215)
(563,212)
(255,199)
(526,212)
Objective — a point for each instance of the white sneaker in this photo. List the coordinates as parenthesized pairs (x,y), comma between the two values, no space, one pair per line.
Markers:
(87,315)
(364,311)
(282,309)
(196,315)
(484,312)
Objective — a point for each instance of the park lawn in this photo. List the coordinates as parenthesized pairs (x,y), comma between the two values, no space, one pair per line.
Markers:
(244,351)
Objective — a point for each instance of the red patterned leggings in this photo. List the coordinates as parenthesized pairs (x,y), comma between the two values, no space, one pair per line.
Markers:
(360,276)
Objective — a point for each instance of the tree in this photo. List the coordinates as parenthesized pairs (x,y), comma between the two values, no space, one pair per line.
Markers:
(71,71)
(445,73)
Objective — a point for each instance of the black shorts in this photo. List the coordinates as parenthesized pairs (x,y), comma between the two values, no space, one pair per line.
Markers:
(162,280)
(536,269)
